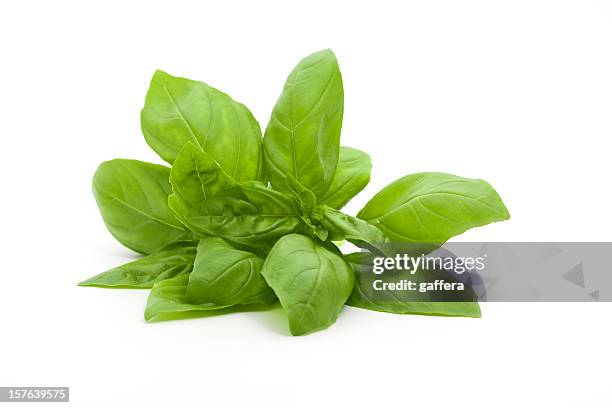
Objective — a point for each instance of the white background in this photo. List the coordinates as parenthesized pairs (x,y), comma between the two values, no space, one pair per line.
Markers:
(518,93)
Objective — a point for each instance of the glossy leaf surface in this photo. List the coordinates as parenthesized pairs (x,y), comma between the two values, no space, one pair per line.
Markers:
(168,300)
(351,176)
(355,230)
(224,275)
(133,200)
(433,207)
(303,136)
(178,110)
(311,282)
(195,177)
(176,259)
(249,214)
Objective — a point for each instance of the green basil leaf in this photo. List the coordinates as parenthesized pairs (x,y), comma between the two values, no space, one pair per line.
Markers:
(408,302)
(308,203)
(357,231)
(352,175)
(195,176)
(249,214)
(303,136)
(176,259)
(178,110)
(133,199)
(301,194)
(167,300)
(224,275)
(433,207)
(311,282)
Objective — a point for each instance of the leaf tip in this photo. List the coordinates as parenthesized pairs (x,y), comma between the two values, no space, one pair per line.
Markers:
(506,214)
(323,55)
(159,74)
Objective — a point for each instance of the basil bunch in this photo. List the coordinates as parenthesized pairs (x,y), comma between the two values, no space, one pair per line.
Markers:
(239,221)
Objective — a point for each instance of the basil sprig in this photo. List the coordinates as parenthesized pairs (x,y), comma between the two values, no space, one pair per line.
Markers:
(242,220)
